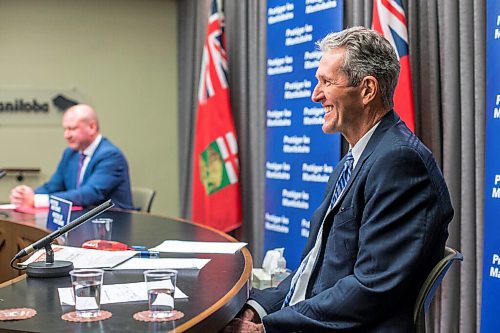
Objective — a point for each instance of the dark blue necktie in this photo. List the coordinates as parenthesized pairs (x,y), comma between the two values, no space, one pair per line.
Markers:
(343,178)
(81,159)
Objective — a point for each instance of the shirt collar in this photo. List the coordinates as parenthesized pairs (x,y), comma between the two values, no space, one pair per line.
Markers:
(359,147)
(89,151)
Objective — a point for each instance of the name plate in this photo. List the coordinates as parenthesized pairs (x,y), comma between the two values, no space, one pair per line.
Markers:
(59,212)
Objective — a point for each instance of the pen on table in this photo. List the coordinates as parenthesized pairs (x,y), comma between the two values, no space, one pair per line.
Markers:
(148,254)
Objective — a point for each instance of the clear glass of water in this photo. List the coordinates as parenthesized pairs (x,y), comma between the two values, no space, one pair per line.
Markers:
(102,228)
(160,284)
(87,285)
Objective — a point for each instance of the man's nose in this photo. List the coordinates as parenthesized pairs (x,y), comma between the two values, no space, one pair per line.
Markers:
(317,94)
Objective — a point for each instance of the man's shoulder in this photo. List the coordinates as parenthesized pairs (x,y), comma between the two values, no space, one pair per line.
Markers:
(105,142)
(400,138)
(106,146)
(68,153)
(107,151)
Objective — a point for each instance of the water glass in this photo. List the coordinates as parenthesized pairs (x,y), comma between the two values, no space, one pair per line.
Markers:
(160,284)
(87,285)
(102,228)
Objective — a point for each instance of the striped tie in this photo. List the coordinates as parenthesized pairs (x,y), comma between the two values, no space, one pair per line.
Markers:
(343,178)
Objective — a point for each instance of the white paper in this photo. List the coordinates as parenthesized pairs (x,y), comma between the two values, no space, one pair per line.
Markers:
(198,247)
(161,284)
(84,258)
(117,293)
(165,263)
(164,300)
(87,303)
(7,206)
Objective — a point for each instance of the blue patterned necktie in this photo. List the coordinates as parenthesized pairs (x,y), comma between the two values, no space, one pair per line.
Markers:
(345,174)
(81,159)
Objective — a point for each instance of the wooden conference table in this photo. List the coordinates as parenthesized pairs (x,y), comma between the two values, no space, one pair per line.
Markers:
(216,292)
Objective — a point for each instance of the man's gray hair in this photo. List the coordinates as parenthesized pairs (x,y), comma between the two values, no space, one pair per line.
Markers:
(366,53)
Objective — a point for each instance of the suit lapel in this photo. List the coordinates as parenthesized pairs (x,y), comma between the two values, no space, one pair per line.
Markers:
(389,120)
(73,171)
(325,204)
(92,161)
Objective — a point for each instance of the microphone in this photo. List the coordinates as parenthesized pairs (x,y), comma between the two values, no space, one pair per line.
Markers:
(51,268)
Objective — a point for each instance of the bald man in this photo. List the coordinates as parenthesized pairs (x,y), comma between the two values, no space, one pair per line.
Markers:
(91,171)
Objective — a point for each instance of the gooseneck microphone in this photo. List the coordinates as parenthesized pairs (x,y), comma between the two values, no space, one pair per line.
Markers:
(3,173)
(51,268)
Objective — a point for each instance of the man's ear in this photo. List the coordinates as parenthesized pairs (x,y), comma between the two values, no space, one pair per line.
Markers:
(369,89)
(93,126)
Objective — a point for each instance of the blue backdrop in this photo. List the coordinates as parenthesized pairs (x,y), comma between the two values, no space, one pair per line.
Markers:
(299,156)
(490,314)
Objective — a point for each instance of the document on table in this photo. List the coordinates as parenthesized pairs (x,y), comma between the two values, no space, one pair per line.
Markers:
(116,293)
(84,258)
(8,206)
(177,246)
(164,263)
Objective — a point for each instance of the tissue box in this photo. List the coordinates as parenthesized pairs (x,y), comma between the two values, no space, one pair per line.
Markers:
(260,279)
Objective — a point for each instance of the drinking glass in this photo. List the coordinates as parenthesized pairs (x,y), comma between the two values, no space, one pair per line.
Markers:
(102,228)
(87,285)
(160,284)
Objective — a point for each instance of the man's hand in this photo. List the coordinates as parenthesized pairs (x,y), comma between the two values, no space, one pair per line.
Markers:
(22,195)
(243,326)
(249,314)
(247,321)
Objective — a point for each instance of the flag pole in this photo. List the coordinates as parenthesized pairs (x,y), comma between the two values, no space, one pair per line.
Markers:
(220,11)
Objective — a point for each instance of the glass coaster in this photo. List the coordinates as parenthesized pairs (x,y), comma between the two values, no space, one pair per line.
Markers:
(16,314)
(71,316)
(146,316)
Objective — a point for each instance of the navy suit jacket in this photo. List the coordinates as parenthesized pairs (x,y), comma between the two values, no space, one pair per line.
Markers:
(106,177)
(380,241)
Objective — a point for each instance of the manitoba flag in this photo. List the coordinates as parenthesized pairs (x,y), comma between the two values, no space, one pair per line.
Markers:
(216,200)
(389,19)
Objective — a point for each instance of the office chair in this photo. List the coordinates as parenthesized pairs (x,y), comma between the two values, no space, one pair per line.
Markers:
(431,284)
(142,198)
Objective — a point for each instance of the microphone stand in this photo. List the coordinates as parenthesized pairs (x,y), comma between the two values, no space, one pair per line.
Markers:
(3,173)
(51,267)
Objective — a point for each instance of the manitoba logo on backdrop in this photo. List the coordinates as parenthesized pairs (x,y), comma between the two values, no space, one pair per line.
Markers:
(217,164)
(36,106)
(21,105)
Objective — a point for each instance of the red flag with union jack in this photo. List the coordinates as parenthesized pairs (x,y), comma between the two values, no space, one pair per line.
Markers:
(216,199)
(389,19)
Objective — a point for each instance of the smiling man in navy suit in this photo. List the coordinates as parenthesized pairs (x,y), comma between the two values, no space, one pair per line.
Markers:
(91,170)
(383,222)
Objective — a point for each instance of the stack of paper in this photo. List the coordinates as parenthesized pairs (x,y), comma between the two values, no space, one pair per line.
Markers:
(162,263)
(84,258)
(177,246)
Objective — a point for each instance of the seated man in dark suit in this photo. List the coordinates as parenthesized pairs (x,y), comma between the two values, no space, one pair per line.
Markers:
(383,222)
(91,170)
